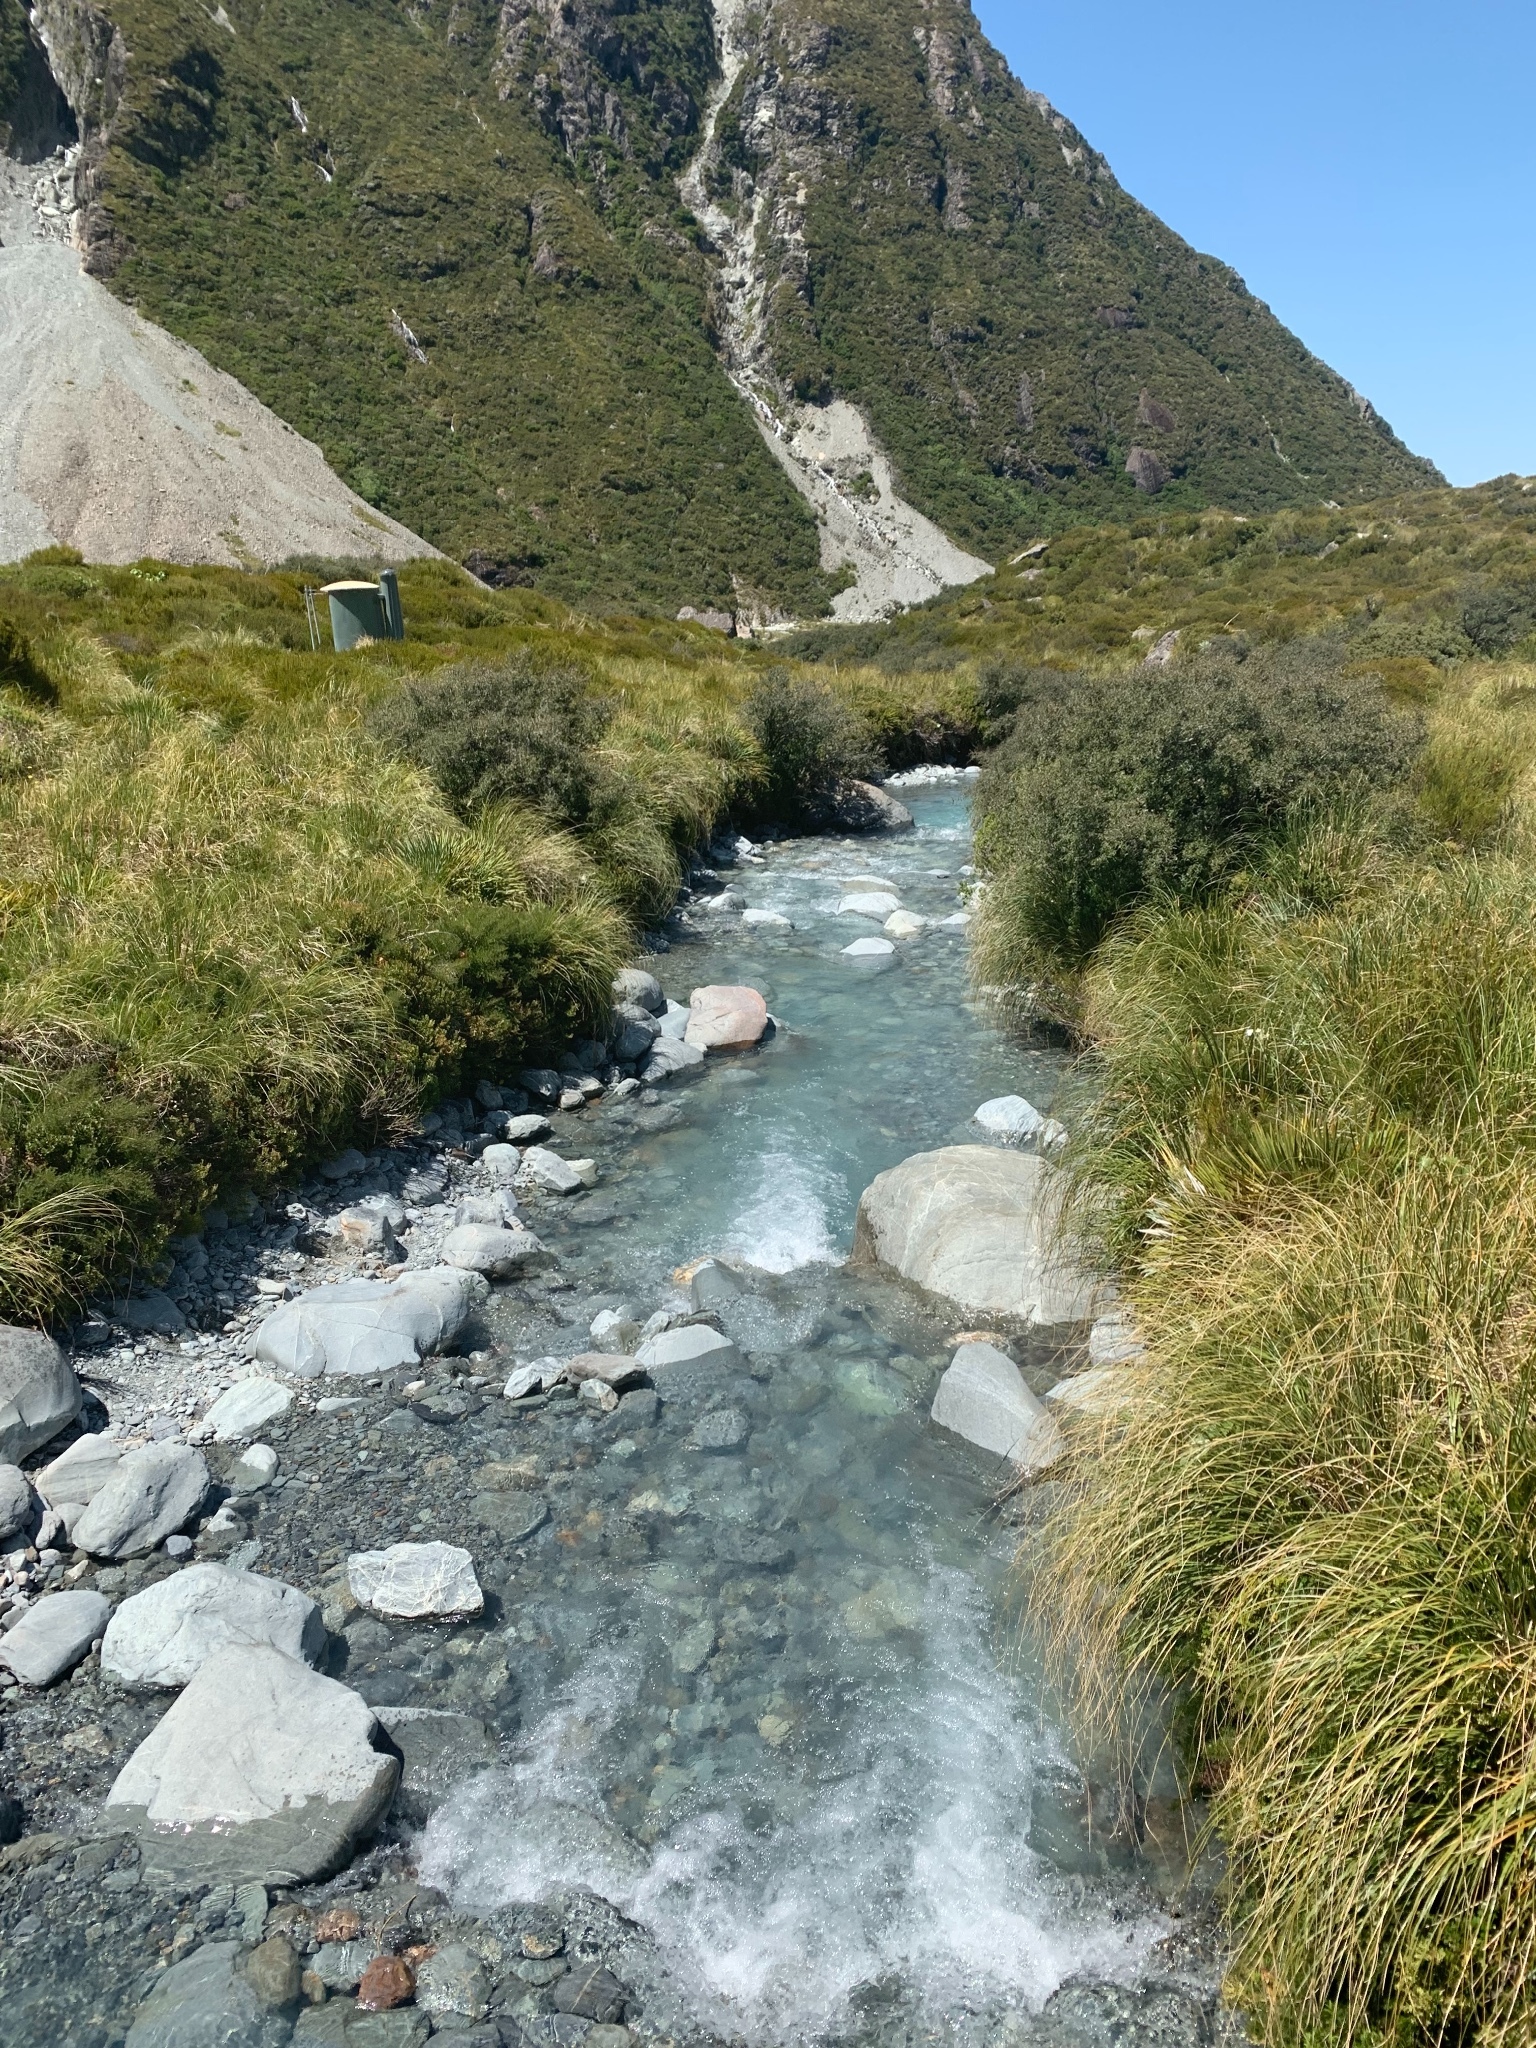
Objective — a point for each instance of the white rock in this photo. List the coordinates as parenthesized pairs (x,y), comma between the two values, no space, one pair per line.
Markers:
(163,1636)
(261,1769)
(39,1394)
(674,1020)
(876,903)
(532,1379)
(545,1169)
(496,1211)
(80,1473)
(983,1398)
(483,1248)
(695,1344)
(255,1468)
(1099,1391)
(980,1226)
(53,1636)
(1010,1118)
(767,920)
(370,1326)
(904,924)
(634,985)
(869,949)
(414,1581)
(149,1496)
(585,1171)
(501,1162)
(248,1406)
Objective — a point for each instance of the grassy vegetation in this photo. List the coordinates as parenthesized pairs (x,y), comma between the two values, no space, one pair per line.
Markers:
(1303,1140)
(255,900)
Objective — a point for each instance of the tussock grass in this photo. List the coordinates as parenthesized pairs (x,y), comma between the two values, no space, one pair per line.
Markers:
(1307,1141)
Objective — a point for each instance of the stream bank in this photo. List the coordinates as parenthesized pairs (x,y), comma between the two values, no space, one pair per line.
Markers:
(745,1720)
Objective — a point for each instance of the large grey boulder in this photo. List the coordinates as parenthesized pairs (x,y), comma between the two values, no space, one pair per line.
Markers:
(486,1248)
(152,1492)
(416,1581)
(370,1326)
(207,2001)
(261,1771)
(979,1226)
(52,1637)
(164,1636)
(79,1473)
(983,1398)
(247,1407)
(15,1501)
(694,1345)
(39,1394)
(726,1017)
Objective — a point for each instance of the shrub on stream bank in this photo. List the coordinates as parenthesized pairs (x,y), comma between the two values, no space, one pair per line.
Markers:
(810,740)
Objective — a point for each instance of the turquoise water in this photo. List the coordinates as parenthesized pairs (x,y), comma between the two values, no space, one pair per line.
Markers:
(774,1703)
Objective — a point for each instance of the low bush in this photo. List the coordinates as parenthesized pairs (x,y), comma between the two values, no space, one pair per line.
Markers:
(810,740)
(1111,789)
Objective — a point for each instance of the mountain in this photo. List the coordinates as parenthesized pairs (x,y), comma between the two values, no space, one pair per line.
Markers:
(780,307)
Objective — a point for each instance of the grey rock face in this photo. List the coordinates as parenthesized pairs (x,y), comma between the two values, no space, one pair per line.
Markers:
(248,1406)
(983,1398)
(261,1770)
(205,2001)
(370,1326)
(52,1637)
(412,1581)
(694,1346)
(669,1056)
(15,1500)
(979,1226)
(150,1494)
(494,1211)
(39,1394)
(164,1635)
(483,1248)
(441,1749)
(80,1473)
(634,985)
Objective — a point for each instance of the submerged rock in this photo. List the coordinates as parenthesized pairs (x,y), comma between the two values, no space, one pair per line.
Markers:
(695,1344)
(208,2001)
(980,1227)
(983,1398)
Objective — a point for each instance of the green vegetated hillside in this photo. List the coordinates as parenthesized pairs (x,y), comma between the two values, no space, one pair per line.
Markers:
(446,243)
(254,899)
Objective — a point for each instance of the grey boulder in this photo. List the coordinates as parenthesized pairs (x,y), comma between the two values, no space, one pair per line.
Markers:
(164,1636)
(206,2001)
(15,1501)
(52,1637)
(370,1326)
(982,1227)
(152,1315)
(694,1345)
(39,1394)
(416,1581)
(1114,1339)
(674,1019)
(80,1473)
(546,1169)
(635,1030)
(150,1494)
(1013,1121)
(261,1770)
(669,1056)
(485,1248)
(248,1406)
(865,807)
(983,1398)
(634,985)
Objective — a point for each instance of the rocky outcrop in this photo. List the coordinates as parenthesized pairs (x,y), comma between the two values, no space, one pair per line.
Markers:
(980,1227)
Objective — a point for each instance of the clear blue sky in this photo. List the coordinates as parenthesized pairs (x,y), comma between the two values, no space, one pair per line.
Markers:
(1369,169)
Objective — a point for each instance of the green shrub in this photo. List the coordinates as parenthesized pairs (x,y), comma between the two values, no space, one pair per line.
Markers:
(1496,618)
(508,731)
(811,740)
(20,668)
(1162,781)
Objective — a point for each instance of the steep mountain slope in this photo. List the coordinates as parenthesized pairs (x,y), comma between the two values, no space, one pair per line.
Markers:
(505,260)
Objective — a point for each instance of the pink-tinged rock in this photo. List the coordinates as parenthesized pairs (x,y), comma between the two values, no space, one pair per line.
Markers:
(725,1019)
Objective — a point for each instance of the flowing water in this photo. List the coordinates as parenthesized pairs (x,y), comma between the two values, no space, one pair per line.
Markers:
(775,1705)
